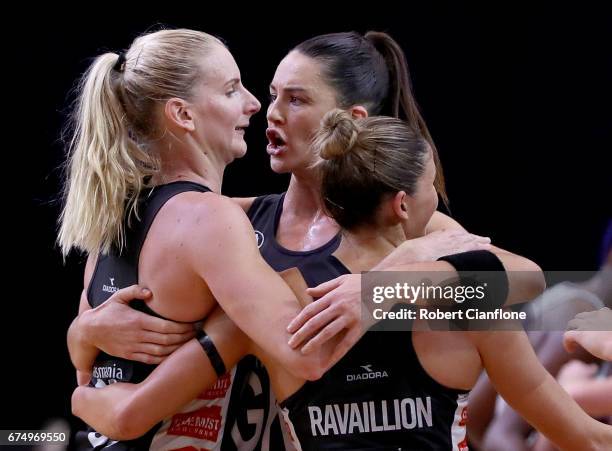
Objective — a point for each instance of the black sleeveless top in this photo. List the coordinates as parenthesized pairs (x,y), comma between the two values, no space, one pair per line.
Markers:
(252,406)
(265,215)
(114,271)
(378,397)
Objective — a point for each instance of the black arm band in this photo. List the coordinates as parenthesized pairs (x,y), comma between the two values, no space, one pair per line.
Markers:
(211,351)
(478,268)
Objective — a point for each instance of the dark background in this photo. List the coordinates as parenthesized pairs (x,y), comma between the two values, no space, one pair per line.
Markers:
(517,101)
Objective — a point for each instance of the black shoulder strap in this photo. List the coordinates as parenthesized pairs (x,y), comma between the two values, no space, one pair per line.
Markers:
(150,206)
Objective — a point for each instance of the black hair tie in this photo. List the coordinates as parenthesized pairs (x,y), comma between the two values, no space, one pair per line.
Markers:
(120,64)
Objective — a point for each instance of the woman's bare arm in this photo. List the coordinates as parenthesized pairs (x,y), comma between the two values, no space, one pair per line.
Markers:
(126,411)
(224,253)
(523,382)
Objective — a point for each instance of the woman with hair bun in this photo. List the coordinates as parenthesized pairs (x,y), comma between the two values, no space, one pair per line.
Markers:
(377,182)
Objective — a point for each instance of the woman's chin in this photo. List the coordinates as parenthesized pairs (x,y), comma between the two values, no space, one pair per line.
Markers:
(240,152)
(279,167)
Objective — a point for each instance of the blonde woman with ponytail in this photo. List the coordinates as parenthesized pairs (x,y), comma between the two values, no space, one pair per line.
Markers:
(154,129)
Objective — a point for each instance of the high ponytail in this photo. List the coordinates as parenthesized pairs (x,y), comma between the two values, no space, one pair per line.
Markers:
(371,71)
(105,169)
(116,115)
(400,101)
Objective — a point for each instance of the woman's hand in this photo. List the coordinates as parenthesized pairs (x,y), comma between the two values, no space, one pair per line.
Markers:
(121,331)
(438,244)
(591,330)
(338,308)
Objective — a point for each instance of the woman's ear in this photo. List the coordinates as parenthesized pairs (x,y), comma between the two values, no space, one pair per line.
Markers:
(400,205)
(358,112)
(178,114)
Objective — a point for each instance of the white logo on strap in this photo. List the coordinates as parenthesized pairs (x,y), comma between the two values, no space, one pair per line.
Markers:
(110,288)
(260,238)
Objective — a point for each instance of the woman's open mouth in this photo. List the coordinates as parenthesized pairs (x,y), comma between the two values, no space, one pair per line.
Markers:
(276,143)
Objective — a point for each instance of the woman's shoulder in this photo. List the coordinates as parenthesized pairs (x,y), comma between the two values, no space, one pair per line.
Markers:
(192,203)
(192,213)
